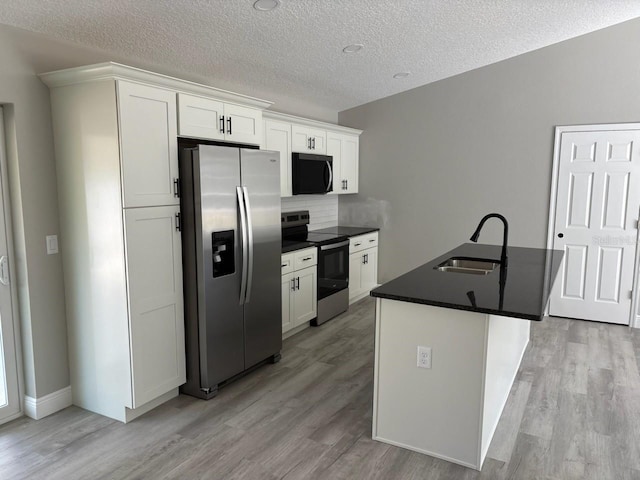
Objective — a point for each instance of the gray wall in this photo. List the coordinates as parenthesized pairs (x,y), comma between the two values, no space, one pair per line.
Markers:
(437,158)
(32,184)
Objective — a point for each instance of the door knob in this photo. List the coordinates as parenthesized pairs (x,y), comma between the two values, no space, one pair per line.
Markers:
(560,235)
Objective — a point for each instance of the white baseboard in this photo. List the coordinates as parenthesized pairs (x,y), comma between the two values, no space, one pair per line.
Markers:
(38,408)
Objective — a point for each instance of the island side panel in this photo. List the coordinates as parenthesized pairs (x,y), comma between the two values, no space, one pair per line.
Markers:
(435,411)
(507,341)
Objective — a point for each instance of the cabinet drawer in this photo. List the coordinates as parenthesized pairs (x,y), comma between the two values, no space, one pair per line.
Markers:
(361,242)
(287,262)
(305,258)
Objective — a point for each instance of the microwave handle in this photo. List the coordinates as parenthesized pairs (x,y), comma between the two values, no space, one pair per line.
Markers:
(330,182)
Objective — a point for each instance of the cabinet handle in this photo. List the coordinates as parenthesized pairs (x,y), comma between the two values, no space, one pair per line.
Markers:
(346,184)
(306,258)
(222,124)
(366,258)
(293,284)
(178,222)
(372,240)
(176,187)
(314,142)
(357,244)
(309,143)
(229,125)
(297,283)
(284,265)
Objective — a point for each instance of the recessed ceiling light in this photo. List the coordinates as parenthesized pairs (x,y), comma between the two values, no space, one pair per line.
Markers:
(402,75)
(356,47)
(266,5)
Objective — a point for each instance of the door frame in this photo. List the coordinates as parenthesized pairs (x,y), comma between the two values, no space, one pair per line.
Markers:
(634,320)
(8,218)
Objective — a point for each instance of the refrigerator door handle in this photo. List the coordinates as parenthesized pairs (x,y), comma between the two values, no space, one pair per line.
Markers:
(250,245)
(245,246)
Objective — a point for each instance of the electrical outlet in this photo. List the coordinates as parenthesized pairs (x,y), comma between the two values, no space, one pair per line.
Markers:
(424,357)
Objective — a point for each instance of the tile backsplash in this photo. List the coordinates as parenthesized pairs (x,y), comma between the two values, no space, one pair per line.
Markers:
(323,209)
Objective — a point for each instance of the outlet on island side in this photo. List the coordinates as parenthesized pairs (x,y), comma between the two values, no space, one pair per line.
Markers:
(424,357)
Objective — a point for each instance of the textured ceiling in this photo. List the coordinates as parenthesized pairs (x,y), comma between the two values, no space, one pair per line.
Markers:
(297,48)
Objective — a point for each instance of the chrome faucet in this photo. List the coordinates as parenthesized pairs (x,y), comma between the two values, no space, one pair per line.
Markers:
(476,234)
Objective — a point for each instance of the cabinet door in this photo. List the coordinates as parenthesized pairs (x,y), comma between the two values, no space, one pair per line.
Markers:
(369,276)
(334,149)
(200,117)
(308,140)
(355,274)
(344,150)
(154,280)
(243,124)
(287,292)
(319,141)
(305,297)
(148,144)
(349,163)
(277,136)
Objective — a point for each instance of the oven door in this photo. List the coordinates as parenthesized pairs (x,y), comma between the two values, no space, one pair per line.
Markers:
(333,268)
(311,174)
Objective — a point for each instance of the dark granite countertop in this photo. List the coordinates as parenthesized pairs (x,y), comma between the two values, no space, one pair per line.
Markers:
(349,231)
(522,292)
(292,246)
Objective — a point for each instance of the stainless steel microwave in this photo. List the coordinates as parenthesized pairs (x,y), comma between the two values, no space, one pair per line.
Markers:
(311,173)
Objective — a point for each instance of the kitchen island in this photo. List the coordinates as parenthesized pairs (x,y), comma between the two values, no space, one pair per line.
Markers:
(449,341)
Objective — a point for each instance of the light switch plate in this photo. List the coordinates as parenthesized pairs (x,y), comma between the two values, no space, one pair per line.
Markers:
(52,244)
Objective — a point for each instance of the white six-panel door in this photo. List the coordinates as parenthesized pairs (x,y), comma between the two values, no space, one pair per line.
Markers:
(597,206)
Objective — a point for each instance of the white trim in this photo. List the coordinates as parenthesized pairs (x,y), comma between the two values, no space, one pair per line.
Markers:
(485,448)
(285,117)
(427,452)
(133,413)
(295,330)
(110,70)
(38,408)
(634,321)
(376,370)
(8,228)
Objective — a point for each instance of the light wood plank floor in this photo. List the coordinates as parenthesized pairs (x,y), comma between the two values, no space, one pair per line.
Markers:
(573,413)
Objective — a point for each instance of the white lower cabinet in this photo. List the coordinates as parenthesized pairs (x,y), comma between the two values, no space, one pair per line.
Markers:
(363,265)
(156,318)
(299,288)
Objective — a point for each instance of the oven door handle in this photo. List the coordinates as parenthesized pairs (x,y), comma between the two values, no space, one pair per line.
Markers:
(334,245)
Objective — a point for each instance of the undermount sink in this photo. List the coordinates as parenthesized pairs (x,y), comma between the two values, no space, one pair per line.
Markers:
(473,266)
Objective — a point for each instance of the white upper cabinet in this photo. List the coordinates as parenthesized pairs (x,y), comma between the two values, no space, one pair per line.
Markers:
(277,136)
(200,117)
(148,144)
(286,134)
(308,139)
(344,149)
(211,119)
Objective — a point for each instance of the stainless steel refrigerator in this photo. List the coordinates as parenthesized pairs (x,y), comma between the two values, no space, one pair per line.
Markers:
(230,207)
